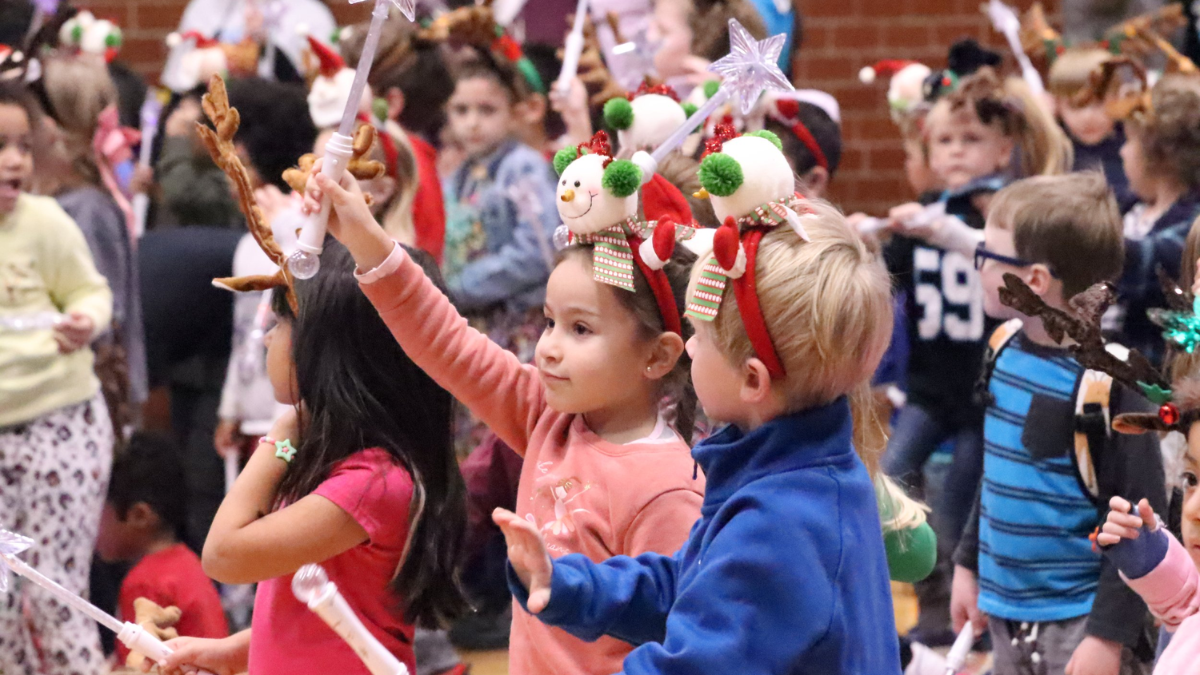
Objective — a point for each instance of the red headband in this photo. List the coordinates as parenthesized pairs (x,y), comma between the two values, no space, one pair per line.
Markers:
(745,289)
(788,112)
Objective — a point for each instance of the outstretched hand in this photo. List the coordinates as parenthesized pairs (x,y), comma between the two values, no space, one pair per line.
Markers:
(350,220)
(528,556)
(1122,524)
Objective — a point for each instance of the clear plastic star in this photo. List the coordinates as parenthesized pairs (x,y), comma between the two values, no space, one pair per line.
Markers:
(751,66)
(11,543)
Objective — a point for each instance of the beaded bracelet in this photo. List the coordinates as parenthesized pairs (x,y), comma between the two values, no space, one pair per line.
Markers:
(283,449)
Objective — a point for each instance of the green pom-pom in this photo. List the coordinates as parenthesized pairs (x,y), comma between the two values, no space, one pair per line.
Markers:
(114,39)
(622,178)
(770,136)
(77,33)
(690,109)
(710,88)
(911,554)
(618,113)
(721,174)
(379,108)
(563,159)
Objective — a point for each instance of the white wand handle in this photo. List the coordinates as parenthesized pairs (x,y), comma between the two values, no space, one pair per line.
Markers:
(956,660)
(338,151)
(572,50)
(131,635)
(314,589)
(648,162)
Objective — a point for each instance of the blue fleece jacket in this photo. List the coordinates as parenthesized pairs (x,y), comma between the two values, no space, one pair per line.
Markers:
(785,572)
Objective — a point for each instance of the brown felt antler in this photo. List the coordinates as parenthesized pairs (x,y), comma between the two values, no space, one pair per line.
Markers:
(593,72)
(157,621)
(1122,85)
(1038,37)
(1082,325)
(220,145)
(361,166)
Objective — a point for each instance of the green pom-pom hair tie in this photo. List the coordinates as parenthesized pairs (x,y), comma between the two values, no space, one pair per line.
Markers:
(563,159)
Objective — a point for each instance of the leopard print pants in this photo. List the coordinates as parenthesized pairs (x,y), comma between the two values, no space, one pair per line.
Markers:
(53,479)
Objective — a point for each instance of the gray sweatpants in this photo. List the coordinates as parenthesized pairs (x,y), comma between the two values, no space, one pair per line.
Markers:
(1044,648)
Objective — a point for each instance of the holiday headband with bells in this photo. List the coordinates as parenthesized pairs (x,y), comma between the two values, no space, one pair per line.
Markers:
(752,188)
(608,222)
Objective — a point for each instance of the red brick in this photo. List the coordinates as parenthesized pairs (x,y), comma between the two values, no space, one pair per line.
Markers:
(908,37)
(825,68)
(117,12)
(886,158)
(881,8)
(147,53)
(860,37)
(159,16)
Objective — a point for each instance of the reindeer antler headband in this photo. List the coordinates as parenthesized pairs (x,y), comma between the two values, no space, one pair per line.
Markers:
(1179,403)
(220,145)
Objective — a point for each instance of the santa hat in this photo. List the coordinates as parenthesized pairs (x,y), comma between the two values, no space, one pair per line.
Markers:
(884,68)
(661,200)
(199,40)
(330,62)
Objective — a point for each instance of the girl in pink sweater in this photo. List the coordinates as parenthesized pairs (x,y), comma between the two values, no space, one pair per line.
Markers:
(604,472)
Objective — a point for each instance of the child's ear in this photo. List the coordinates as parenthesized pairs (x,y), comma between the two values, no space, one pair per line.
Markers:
(534,109)
(395,102)
(816,182)
(1040,279)
(664,354)
(756,382)
(1006,154)
(142,516)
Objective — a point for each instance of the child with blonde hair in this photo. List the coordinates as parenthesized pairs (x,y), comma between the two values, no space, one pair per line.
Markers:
(765,582)
(1095,137)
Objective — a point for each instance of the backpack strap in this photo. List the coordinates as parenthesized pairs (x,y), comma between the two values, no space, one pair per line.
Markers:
(1093,420)
(1000,338)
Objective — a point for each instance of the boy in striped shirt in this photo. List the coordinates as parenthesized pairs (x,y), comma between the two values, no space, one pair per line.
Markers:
(1025,567)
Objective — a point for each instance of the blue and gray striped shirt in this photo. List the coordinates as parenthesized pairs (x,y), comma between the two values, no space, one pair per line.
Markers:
(1035,560)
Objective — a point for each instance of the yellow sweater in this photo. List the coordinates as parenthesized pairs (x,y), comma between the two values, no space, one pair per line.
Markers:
(45,266)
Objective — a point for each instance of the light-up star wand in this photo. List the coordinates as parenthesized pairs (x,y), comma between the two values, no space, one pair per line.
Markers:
(305,262)
(131,635)
(751,67)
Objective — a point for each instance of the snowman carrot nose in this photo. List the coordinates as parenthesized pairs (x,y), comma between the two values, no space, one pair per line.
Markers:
(568,195)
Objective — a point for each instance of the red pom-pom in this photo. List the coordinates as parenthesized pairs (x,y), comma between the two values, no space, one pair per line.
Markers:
(1169,414)
(725,244)
(507,47)
(664,239)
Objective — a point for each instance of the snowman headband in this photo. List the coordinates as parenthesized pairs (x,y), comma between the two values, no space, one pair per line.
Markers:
(617,249)
(735,248)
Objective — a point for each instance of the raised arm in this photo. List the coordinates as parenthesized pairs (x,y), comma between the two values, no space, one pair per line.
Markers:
(507,396)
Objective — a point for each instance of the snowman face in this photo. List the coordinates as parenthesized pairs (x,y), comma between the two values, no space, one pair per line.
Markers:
(583,204)
(768,177)
(327,98)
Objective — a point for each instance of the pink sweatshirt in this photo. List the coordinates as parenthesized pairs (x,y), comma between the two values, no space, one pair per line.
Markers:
(1170,590)
(586,495)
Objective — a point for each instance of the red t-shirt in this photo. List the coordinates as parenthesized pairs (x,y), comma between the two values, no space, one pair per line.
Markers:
(286,637)
(429,211)
(173,576)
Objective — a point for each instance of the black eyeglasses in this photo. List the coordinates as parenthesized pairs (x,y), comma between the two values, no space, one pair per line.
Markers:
(982,254)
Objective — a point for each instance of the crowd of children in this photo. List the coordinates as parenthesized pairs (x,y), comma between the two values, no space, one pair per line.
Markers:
(645,414)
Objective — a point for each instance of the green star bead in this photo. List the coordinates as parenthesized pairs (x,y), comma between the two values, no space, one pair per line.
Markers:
(285,450)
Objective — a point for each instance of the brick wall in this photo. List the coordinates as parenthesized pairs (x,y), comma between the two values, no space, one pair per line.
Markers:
(841,36)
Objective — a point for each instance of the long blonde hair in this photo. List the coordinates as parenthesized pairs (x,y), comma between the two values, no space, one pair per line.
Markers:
(75,89)
(397,219)
(1010,106)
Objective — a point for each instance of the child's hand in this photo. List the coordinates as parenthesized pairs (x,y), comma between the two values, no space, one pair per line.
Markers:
(899,217)
(287,426)
(574,110)
(1095,656)
(350,219)
(527,553)
(227,439)
(227,656)
(181,122)
(74,332)
(964,601)
(1122,524)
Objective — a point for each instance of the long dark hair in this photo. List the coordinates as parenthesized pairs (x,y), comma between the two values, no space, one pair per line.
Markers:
(360,390)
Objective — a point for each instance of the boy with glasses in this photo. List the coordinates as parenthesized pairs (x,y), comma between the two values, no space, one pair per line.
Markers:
(1025,567)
